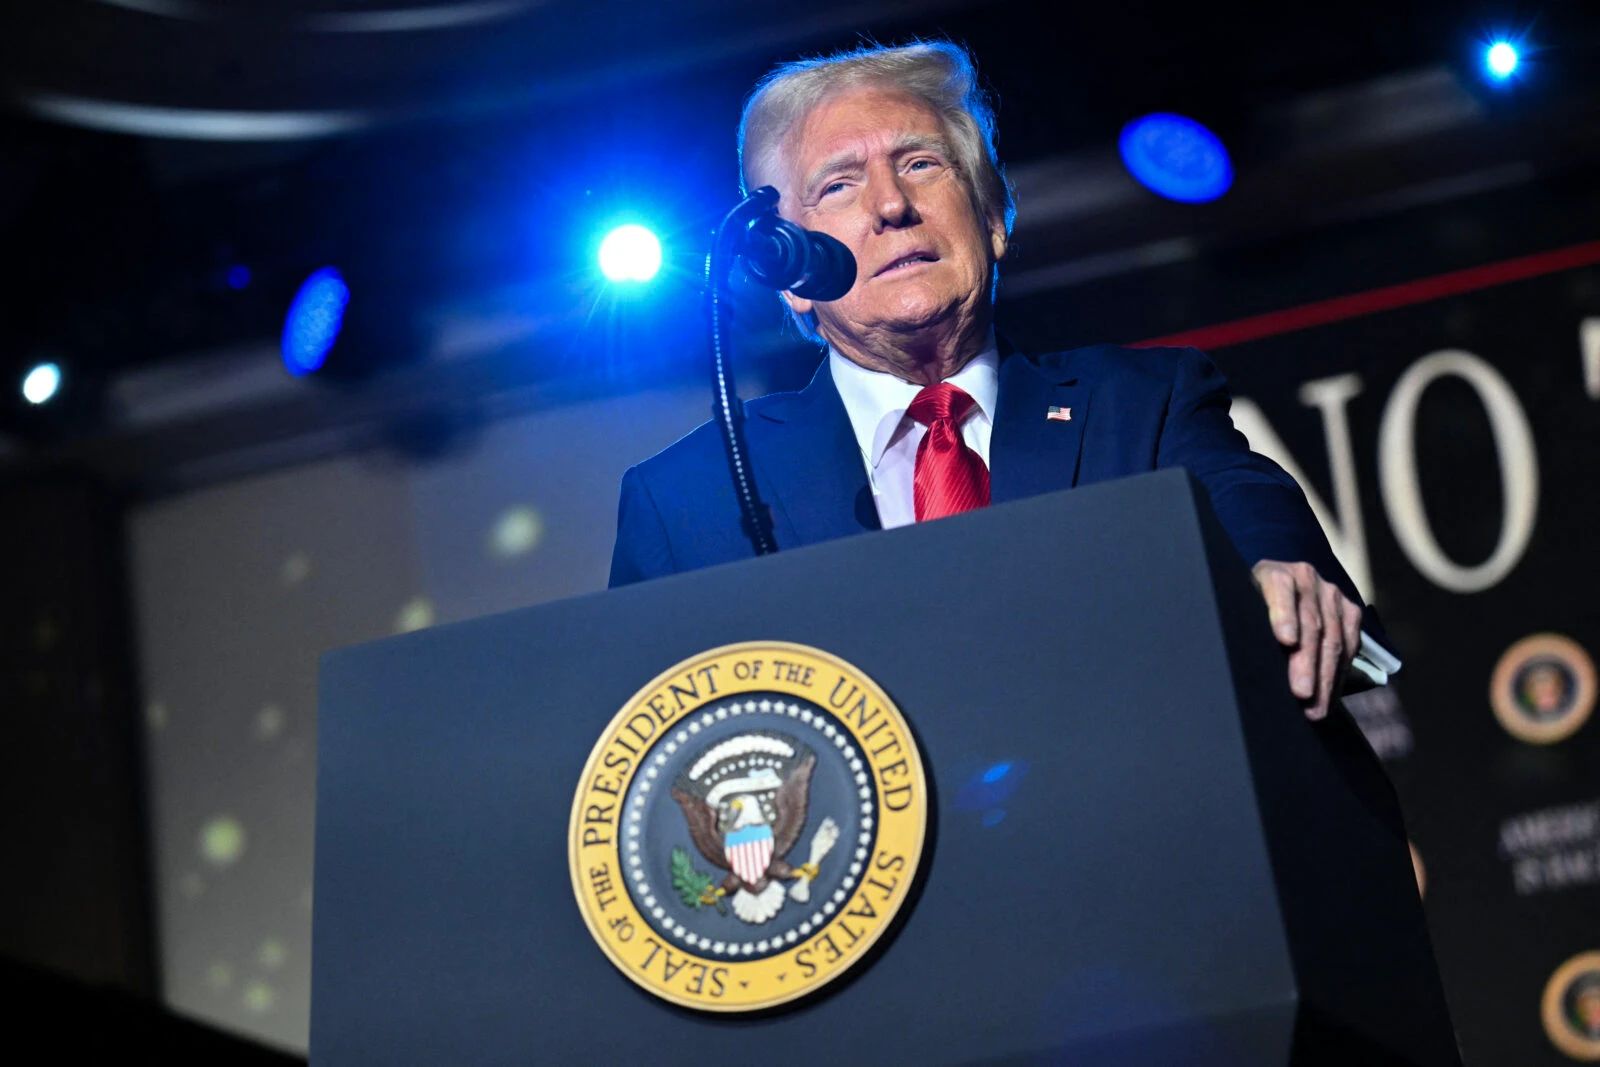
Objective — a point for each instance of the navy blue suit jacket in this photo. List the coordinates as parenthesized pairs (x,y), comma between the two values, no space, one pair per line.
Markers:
(1133,410)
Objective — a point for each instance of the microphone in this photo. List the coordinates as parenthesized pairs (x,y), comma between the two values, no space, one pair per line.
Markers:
(782,255)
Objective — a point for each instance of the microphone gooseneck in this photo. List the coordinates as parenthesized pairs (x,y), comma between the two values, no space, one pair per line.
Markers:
(784,256)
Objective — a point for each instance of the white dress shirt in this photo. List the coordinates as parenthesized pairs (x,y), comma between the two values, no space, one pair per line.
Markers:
(876,403)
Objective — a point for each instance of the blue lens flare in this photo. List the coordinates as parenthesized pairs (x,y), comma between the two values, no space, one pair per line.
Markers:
(1502,59)
(41,383)
(991,787)
(997,772)
(630,253)
(314,321)
(1176,157)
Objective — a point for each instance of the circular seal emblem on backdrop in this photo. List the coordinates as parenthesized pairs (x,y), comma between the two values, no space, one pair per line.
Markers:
(748,826)
(1543,688)
(1571,1007)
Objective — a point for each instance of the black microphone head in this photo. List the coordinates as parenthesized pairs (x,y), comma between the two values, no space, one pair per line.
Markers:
(783,255)
(776,251)
(830,269)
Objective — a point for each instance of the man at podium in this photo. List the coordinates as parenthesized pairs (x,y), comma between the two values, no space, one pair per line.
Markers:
(917,412)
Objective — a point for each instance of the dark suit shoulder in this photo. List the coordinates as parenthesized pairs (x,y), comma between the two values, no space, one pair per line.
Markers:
(1096,360)
(688,454)
(703,444)
(1106,362)
(772,403)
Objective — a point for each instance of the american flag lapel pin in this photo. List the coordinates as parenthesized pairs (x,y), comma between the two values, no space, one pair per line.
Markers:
(1058,414)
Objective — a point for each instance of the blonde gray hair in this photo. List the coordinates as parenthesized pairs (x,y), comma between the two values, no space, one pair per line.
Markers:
(941,73)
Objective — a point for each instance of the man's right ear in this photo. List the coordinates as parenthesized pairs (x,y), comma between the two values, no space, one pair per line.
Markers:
(797,304)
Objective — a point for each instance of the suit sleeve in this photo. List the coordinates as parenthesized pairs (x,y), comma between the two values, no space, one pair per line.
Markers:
(642,550)
(1261,507)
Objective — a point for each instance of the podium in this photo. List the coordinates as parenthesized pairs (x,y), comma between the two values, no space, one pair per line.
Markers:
(1138,850)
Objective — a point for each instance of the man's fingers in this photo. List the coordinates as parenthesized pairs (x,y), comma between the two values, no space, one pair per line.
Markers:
(1352,629)
(1303,663)
(1331,657)
(1319,625)
(1278,587)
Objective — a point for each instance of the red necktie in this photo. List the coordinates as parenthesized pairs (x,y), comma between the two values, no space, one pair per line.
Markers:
(950,477)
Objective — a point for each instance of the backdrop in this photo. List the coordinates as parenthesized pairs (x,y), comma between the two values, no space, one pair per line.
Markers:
(1452,447)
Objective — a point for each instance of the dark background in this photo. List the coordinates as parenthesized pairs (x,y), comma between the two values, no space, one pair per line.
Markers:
(187,527)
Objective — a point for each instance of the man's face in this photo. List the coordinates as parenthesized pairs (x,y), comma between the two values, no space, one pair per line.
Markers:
(1588,1005)
(1545,688)
(873,168)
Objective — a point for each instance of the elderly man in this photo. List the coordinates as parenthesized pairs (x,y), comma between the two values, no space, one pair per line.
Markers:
(915,414)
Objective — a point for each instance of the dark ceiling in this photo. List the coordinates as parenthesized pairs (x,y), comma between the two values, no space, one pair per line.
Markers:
(442,151)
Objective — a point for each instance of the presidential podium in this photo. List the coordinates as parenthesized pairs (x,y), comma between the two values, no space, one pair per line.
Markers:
(1137,849)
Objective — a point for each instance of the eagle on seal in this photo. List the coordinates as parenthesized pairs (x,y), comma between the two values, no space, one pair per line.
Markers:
(745,801)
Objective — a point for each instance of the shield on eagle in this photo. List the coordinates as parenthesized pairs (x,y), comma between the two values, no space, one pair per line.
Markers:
(749,851)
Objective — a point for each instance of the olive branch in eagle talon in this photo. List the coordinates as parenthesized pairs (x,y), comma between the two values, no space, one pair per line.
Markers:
(694,887)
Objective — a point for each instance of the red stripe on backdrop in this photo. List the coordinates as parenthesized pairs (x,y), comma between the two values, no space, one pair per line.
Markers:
(1389,297)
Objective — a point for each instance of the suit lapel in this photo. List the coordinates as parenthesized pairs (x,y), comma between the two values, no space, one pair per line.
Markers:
(806,452)
(1029,453)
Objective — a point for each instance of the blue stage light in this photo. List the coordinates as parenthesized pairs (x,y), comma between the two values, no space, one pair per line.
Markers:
(314,320)
(238,277)
(630,253)
(1176,157)
(1502,59)
(41,383)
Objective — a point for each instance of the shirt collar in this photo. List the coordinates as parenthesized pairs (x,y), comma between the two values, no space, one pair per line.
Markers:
(877,401)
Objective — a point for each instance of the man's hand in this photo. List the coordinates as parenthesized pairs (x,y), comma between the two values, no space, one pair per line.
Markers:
(1318,622)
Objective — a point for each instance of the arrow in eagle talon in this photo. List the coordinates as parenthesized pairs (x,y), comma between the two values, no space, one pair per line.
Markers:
(822,843)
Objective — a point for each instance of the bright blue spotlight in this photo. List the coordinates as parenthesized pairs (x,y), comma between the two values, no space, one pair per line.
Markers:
(1502,59)
(41,383)
(314,321)
(1176,157)
(630,253)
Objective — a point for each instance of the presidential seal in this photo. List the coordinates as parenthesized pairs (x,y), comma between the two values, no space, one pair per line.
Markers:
(1543,688)
(747,826)
(1571,1007)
